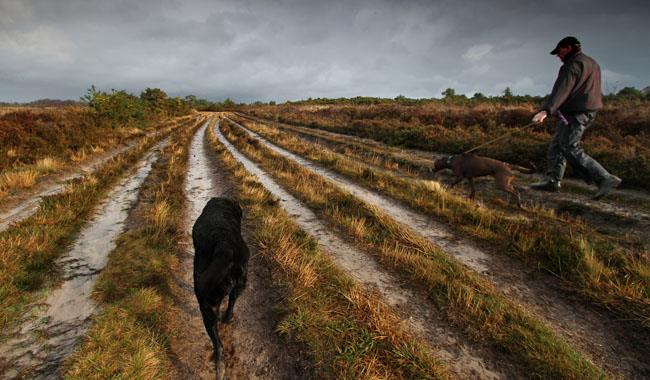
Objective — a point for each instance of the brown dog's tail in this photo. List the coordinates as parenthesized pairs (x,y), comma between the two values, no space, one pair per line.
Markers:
(524,170)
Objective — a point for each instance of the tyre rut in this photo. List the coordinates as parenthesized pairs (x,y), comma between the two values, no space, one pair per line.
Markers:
(252,349)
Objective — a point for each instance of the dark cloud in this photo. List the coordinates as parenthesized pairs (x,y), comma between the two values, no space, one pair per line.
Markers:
(290,49)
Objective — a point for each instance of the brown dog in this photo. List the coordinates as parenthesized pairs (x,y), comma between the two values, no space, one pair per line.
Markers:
(470,166)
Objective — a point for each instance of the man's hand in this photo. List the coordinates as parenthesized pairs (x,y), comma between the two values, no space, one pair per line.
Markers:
(540,116)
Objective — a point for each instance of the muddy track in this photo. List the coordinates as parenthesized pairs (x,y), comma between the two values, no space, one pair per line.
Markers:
(418,162)
(50,330)
(421,315)
(252,348)
(607,341)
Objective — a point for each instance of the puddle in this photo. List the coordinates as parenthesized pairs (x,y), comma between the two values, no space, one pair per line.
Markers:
(421,314)
(436,232)
(54,327)
(199,185)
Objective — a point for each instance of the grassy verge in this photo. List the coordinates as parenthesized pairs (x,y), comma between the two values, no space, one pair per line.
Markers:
(349,333)
(130,338)
(29,248)
(470,301)
(589,264)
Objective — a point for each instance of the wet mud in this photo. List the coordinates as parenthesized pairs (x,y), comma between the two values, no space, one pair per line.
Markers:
(606,340)
(50,331)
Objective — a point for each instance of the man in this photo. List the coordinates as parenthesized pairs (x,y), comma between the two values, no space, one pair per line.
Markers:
(576,98)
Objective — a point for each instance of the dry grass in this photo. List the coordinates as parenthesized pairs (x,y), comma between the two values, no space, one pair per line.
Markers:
(470,301)
(18,180)
(159,216)
(121,346)
(77,155)
(590,264)
(27,176)
(348,331)
(47,165)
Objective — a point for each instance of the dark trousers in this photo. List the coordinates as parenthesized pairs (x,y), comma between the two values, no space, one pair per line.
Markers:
(566,146)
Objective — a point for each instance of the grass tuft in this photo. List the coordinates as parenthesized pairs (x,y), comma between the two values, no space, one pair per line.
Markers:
(18,179)
(47,165)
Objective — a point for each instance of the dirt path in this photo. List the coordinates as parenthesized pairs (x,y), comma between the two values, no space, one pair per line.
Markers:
(48,333)
(607,341)
(252,348)
(422,316)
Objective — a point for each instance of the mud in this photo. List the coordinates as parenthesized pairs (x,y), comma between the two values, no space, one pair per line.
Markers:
(607,341)
(422,316)
(252,349)
(49,332)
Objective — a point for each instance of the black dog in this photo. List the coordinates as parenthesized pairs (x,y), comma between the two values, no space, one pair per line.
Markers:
(220,263)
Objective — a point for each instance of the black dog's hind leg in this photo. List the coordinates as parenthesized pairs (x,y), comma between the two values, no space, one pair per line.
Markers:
(234,294)
(210,321)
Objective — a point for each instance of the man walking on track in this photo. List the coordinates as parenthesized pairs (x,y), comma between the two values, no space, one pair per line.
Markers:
(576,97)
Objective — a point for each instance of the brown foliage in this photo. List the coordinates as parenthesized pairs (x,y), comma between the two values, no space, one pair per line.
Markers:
(27,135)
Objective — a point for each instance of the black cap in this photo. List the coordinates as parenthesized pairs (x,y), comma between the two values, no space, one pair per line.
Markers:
(566,41)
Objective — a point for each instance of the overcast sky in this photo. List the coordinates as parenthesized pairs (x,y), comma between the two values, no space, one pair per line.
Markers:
(289,49)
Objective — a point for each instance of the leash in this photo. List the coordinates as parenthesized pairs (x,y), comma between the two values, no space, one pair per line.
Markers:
(500,137)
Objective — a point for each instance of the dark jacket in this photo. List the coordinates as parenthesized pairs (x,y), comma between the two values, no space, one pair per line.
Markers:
(577,87)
